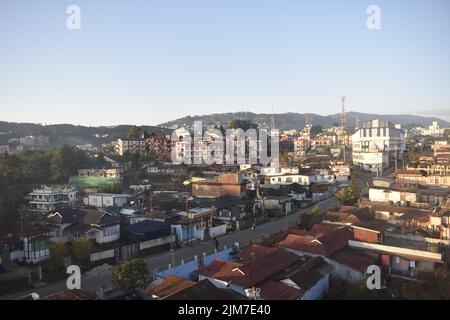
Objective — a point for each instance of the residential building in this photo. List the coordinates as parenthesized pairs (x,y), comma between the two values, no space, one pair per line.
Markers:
(320,142)
(131,145)
(278,275)
(168,286)
(195,224)
(115,173)
(46,199)
(102,200)
(302,179)
(410,194)
(152,233)
(423,178)
(23,242)
(434,130)
(227,184)
(376,143)
(68,224)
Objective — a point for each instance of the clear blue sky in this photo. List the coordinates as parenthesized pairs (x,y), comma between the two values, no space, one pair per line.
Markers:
(146,62)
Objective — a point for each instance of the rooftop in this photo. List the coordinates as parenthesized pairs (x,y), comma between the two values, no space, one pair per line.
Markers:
(169,286)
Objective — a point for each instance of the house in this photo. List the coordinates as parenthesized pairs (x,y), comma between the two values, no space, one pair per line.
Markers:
(252,252)
(24,242)
(395,193)
(351,264)
(102,200)
(68,224)
(423,178)
(153,233)
(46,199)
(227,184)
(115,173)
(73,294)
(203,290)
(320,142)
(331,242)
(195,224)
(276,274)
(409,194)
(169,286)
(440,223)
(342,173)
(322,240)
(405,216)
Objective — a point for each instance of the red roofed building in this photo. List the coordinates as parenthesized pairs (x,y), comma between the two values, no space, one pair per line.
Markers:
(322,240)
(266,275)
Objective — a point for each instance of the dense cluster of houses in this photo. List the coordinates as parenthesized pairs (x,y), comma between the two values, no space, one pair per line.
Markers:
(403,225)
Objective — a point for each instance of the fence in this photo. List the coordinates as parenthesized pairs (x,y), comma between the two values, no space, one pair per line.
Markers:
(154,243)
(185,269)
(102,255)
(129,251)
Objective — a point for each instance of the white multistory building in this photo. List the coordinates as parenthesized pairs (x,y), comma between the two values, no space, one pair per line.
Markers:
(46,199)
(376,143)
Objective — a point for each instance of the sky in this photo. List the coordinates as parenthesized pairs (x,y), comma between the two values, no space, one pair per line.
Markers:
(148,62)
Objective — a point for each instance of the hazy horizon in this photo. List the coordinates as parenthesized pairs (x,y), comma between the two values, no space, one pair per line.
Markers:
(149,62)
(200,115)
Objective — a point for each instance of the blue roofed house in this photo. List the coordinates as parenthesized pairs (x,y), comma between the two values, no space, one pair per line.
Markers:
(149,234)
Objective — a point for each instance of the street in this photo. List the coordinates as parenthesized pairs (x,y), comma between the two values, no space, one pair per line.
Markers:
(162,260)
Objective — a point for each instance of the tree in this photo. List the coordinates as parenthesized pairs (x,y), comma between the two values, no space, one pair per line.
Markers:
(414,155)
(350,195)
(135,132)
(355,188)
(241,124)
(343,290)
(447,133)
(344,195)
(307,221)
(54,266)
(131,275)
(316,129)
(81,250)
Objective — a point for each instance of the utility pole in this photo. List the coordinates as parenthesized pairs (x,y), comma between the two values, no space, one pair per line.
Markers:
(151,202)
(395,154)
(187,216)
(343,125)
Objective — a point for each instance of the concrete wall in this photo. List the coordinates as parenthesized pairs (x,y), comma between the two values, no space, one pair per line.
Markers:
(185,270)
(102,255)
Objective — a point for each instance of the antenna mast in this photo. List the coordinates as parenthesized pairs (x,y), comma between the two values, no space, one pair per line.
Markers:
(343,116)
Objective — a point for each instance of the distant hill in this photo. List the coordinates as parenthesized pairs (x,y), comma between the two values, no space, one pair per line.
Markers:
(68,133)
(73,134)
(287,121)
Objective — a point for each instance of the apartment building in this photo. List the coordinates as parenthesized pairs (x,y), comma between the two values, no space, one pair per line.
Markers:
(45,199)
(376,143)
(132,145)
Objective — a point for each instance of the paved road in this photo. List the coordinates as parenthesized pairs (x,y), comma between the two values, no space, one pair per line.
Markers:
(162,260)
